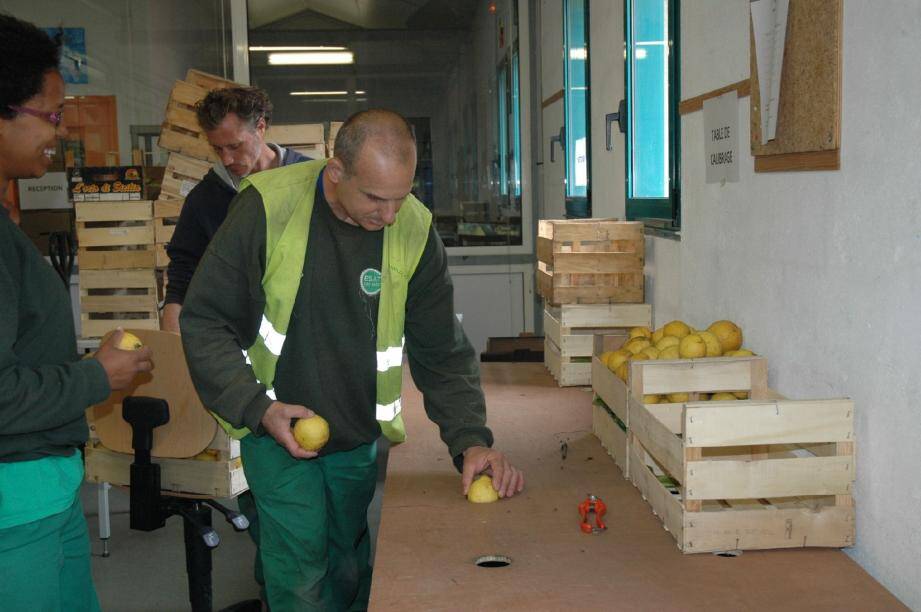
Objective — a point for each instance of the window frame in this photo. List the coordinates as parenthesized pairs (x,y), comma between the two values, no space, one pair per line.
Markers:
(659,213)
(573,200)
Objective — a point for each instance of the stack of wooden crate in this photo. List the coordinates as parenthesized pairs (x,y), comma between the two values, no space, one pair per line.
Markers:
(305,138)
(764,472)
(190,157)
(334,127)
(118,285)
(590,273)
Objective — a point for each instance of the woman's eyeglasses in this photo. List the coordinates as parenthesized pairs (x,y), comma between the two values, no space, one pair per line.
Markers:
(54,119)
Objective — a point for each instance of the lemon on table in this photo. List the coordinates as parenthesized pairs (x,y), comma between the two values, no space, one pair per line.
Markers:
(311,434)
(481,491)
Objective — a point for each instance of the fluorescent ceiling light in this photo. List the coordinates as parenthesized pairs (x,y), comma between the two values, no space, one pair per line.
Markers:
(311,58)
(297,49)
(326,93)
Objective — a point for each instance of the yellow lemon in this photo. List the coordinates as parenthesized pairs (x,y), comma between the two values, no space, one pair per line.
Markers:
(311,434)
(669,352)
(652,399)
(739,353)
(728,333)
(650,352)
(714,349)
(635,345)
(622,370)
(703,397)
(667,341)
(640,332)
(129,341)
(209,454)
(722,397)
(677,398)
(679,329)
(481,491)
(740,394)
(603,357)
(692,346)
(616,358)
(658,335)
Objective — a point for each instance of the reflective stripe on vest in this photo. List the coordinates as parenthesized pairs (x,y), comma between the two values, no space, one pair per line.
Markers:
(288,195)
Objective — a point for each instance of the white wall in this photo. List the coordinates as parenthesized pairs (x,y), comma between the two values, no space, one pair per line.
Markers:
(820,268)
(135,49)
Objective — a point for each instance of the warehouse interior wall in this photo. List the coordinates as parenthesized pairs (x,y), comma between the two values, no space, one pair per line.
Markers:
(817,267)
(137,49)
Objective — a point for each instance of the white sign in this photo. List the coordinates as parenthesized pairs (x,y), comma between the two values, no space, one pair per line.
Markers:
(721,138)
(47,192)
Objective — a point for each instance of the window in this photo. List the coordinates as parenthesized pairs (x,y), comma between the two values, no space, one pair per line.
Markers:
(502,126)
(653,156)
(516,127)
(576,100)
(508,128)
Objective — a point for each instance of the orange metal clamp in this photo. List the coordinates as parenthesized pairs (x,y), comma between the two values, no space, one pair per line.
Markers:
(594,505)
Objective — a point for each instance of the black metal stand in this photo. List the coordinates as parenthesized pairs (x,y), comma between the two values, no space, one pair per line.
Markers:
(150,508)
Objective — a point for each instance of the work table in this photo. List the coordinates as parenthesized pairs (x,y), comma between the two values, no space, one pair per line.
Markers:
(430,536)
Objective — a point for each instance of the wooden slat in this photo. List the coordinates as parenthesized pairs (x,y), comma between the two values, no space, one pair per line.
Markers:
(162,259)
(135,210)
(163,232)
(295,134)
(743,88)
(769,478)
(115,236)
(182,116)
(670,415)
(603,315)
(186,144)
(845,449)
(610,389)
(187,166)
(208,81)
(545,250)
(97,328)
(708,374)
(118,303)
(832,526)
(596,263)
(553,98)
(117,279)
(595,295)
(692,456)
(116,259)
(164,209)
(176,186)
(749,422)
(665,505)
(657,439)
(186,93)
(611,436)
(810,160)
(567,374)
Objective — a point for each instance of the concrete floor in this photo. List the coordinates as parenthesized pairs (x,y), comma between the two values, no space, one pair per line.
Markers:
(145,571)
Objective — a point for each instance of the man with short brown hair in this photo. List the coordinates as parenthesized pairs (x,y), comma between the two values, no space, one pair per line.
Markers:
(303,304)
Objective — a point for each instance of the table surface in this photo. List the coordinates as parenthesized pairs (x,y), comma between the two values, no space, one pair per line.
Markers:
(430,536)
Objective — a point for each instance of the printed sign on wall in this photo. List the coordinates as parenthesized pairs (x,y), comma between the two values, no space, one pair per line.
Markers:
(721,138)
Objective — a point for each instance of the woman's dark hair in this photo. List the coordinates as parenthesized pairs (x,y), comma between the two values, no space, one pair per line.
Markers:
(26,54)
(250,104)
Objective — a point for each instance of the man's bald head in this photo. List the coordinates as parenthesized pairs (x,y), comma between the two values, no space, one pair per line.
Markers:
(388,132)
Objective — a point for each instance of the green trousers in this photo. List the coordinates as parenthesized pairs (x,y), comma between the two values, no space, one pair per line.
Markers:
(313,525)
(45,564)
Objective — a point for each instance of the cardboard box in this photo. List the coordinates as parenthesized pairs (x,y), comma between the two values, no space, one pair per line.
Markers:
(112,183)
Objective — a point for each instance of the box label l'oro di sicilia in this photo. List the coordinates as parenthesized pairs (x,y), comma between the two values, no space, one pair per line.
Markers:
(96,184)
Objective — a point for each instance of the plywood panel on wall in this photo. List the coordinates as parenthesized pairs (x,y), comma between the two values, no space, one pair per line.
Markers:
(809,117)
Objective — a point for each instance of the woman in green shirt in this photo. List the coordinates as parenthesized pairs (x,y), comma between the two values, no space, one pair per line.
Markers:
(45,388)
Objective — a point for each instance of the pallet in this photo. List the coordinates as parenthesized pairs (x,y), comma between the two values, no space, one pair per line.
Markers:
(590,261)
(114,235)
(117,298)
(748,474)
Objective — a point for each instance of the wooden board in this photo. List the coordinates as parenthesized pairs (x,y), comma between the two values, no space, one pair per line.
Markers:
(208,81)
(190,429)
(186,143)
(295,134)
(809,117)
(567,373)
(612,436)
(423,564)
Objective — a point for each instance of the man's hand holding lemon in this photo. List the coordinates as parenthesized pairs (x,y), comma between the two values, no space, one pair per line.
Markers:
(277,421)
(507,480)
(122,356)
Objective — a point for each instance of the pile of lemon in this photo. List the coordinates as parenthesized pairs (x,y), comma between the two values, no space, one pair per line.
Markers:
(678,340)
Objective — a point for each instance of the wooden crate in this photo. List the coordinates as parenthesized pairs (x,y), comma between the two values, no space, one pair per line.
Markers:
(208,81)
(182,174)
(114,235)
(162,258)
(167,209)
(117,298)
(217,472)
(590,261)
(296,134)
(163,229)
(568,371)
(180,140)
(748,474)
(611,432)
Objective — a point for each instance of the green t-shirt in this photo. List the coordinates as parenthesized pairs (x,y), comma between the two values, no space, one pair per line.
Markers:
(32,490)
